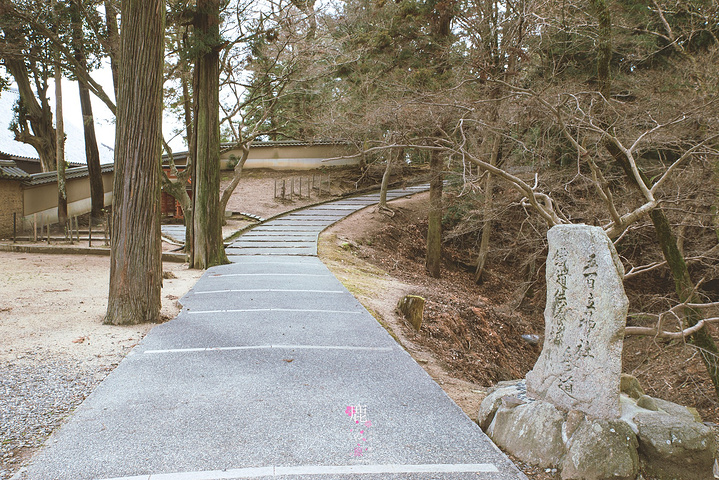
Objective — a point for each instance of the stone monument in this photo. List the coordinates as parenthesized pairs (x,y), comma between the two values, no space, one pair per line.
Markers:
(575,411)
(581,363)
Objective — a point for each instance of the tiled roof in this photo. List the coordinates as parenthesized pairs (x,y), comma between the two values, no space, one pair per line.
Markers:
(37,160)
(9,170)
(77,172)
(225,147)
(33,160)
(286,143)
(10,156)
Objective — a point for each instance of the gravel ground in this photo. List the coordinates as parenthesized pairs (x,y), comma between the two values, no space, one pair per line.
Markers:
(36,395)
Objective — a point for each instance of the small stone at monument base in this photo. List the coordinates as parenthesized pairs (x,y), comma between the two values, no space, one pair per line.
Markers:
(648,403)
(532,432)
(574,419)
(512,401)
(630,386)
(690,414)
(601,450)
(493,400)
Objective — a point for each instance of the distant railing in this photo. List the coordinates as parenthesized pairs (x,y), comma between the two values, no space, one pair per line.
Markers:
(303,187)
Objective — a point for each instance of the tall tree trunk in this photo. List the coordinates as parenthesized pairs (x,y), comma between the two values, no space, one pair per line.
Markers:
(686,291)
(385,182)
(500,57)
(236,175)
(59,141)
(440,25)
(188,211)
(434,228)
(192,143)
(604,54)
(60,149)
(178,188)
(92,155)
(488,203)
(683,284)
(113,39)
(208,245)
(136,262)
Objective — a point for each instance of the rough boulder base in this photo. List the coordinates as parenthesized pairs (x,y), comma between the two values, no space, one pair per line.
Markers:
(671,446)
(664,442)
(531,431)
(580,364)
(601,449)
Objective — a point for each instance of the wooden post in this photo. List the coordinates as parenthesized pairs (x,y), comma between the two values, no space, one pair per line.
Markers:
(48,233)
(107,226)
(89,233)
(72,242)
(34,227)
(14,227)
(412,307)
(77,228)
(284,188)
(275,188)
(300,194)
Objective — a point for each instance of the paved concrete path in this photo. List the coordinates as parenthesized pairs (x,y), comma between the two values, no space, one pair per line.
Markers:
(272,370)
(174,233)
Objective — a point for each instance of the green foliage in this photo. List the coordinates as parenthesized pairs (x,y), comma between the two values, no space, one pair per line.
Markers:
(232,162)
(19,120)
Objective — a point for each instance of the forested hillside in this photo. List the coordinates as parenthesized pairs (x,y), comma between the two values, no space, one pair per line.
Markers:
(537,114)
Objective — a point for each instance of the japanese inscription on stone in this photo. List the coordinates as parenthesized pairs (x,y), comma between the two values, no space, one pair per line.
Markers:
(580,365)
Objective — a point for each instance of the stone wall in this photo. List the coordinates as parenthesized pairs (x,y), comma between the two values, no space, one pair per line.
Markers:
(11,202)
(293,157)
(40,200)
